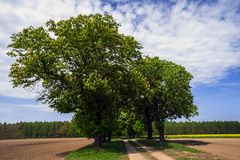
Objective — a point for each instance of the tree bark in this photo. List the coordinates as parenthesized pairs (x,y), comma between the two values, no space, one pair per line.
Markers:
(161,131)
(149,128)
(149,125)
(98,141)
(104,138)
(109,137)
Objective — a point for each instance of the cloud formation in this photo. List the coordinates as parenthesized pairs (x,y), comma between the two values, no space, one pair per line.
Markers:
(38,107)
(203,37)
(13,113)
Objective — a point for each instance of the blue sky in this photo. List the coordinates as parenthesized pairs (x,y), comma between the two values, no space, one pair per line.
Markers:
(203,36)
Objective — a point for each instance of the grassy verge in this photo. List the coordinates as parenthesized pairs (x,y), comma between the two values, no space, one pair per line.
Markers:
(115,150)
(186,159)
(179,151)
(165,145)
(204,136)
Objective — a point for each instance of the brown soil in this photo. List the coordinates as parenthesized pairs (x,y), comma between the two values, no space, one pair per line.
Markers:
(156,154)
(132,153)
(190,155)
(40,149)
(227,148)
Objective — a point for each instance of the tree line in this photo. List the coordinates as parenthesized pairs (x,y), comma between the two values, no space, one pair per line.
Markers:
(69,129)
(85,66)
(212,127)
(37,130)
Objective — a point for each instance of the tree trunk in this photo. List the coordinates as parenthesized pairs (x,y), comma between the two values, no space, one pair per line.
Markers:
(149,124)
(149,131)
(149,128)
(98,141)
(109,137)
(104,138)
(161,131)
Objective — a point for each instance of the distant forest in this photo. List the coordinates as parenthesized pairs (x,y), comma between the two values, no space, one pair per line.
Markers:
(212,127)
(67,129)
(37,130)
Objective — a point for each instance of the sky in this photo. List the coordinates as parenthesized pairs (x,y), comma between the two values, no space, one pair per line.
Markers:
(201,35)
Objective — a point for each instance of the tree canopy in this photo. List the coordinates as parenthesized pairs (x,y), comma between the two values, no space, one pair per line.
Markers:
(170,93)
(82,64)
(85,66)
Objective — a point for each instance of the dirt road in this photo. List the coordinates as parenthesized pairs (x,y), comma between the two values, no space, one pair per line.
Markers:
(228,148)
(40,149)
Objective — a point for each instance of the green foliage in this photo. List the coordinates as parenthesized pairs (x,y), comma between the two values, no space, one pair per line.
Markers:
(69,129)
(37,130)
(169,83)
(128,125)
(138,127)
(202,136)
(9,131)
(83,64)
(168,93)
(168,145)
(125,123)
(212,127)
(115,150)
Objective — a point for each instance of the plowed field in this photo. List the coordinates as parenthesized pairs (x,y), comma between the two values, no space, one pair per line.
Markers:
(40,149)
(227,148)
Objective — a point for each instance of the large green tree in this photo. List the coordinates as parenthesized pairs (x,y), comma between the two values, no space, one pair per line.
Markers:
(83,65)
(169,95)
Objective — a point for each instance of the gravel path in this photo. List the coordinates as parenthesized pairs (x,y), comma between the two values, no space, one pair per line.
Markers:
(40,149)
(132,153)
(155,153)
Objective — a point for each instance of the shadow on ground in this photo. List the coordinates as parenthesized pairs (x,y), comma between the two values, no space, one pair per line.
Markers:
(190,142)
(63,154)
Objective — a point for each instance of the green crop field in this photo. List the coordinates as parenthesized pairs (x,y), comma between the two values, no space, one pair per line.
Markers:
(204,136)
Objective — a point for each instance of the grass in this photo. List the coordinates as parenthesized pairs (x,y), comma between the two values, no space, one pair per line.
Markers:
(115,150)
(136,146)
(204,136)
(186,159)
(179,151)
(166,145)
(171,147)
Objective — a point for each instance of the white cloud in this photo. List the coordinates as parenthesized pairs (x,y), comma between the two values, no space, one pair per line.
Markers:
(38,107)
(6,88)
(191,35)
(204,38)
(231,84)
(29,112)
